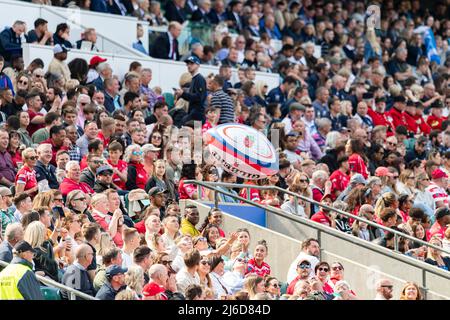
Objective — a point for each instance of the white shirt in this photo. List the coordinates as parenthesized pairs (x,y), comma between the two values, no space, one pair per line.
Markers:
(292,157)
(234,281)
(127,260)
(310,126)
(171,38)
(185,279)
(290,208)
(292,273)
(219,286)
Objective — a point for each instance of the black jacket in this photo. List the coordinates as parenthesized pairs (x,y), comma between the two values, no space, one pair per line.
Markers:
(44,260)
(10,44)
(197,98)
(88,177)
(99,186)
(78,279)
(229,16)
(58,40)
(49,173)
(172,13)
(161,48)
(199,16)
(214,17)
(330,159)
(107,292)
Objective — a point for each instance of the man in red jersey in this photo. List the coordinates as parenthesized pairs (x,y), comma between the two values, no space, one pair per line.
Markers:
(340,178)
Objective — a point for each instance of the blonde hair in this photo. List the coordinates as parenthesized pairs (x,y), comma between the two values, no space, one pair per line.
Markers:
(129,150)
(26,152)
(96,198)
(408,284)
(259,87)
(385,201)
(42,199)
(134,278)
(250,284)
(104,244)
(35,234)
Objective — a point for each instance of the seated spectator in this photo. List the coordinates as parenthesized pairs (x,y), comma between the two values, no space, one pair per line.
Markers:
(10,40)
(40,33)
(115,283)
(13,235)
(76,275)
(72,180)
(62,36)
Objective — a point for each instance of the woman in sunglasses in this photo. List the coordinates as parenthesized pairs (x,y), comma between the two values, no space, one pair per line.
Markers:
(137,175)
(423,197)
(322,274)
(26,177)
(204,268)
(273,287)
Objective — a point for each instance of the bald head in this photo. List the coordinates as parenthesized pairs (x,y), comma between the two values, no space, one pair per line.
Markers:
(14,233)
(82,251)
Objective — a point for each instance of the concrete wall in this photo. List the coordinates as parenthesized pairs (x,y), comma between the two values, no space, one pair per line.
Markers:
(364,263)
(166,73)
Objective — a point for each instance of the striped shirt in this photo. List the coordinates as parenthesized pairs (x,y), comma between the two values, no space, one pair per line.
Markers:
(222,101)
(438,193)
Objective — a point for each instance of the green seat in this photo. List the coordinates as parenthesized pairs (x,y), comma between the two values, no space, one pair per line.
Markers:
(283,287)
(170,99)
(50,293)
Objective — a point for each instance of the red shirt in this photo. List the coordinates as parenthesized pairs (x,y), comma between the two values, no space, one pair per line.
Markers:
(290,288)
(317,194)
(141,175)
(357,165)
(380,119)
(55,149)
(32,128)
(16,157)
(103,139)
(320,217)
(423,126)
(261,270)
(206,126)
(104,224)
(339,181)
(27,176)
(435,123)
(396,117)
(436,229)
(68,185)
(122,166)
(186,191)
(254,193)
(83,163)
(416,124)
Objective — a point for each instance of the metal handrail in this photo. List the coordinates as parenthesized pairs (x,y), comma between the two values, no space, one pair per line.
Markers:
(211,185)
(131,51)
(73,293)
(341,235)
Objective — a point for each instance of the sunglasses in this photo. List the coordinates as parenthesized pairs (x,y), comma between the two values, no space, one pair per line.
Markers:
(166,262)
(204,262)
(38,75)
(324,269)
(83,103)
(304,266)
(389,287)
(303,180)
(79,199)
(337,268)
(156,137)
(33,158)
(201,239)
(97,162)
(275,285)
(137,153)
(22,82)
(241,260)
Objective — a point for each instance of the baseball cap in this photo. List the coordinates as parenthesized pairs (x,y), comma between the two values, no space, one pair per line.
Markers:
(193,59)
(23,246)
(150,147)
(296,106)
(4,191)
(326,195)
(103,169)
(156,190)
(96,60)
(438,173)
(152,289)
(358,178)
(383,172)
(114,270)
(60,48)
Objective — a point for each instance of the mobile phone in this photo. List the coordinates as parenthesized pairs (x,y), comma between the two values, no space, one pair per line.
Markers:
(174,89)
(58,212)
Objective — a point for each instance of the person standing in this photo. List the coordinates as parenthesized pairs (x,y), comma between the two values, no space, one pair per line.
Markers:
(222,101)
(196,95)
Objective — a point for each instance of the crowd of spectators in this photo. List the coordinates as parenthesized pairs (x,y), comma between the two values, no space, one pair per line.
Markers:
(93,165)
